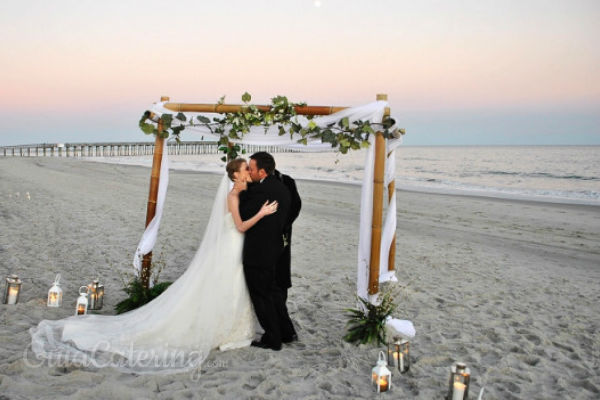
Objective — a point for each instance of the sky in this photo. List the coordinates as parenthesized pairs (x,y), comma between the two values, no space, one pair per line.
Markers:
(483,72)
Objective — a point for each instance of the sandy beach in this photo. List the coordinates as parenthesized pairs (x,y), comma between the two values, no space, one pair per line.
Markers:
(506,286)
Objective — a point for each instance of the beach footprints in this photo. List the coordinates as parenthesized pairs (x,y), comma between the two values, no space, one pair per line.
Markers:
(254,381)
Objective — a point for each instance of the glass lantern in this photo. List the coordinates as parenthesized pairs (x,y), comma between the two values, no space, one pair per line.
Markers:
(12,290)
(399,355)
(404,352)
(55,293)
(96,295)
(458,386)
(393,351)
(381,377)
(82,301)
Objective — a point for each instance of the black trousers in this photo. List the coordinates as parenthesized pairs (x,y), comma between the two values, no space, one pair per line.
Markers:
(269,304)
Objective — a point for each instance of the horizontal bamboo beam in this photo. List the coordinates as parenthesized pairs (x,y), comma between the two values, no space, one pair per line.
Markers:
(229,108)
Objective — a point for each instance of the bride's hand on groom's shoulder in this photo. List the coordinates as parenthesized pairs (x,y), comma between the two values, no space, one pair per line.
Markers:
(268,208)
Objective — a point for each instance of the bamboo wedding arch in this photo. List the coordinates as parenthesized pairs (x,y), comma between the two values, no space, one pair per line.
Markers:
(378,179)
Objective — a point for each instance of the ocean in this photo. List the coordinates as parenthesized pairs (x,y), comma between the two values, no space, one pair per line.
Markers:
(564,174)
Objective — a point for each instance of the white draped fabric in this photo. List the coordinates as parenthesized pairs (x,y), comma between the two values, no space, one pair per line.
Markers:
(372,112)
(149,236)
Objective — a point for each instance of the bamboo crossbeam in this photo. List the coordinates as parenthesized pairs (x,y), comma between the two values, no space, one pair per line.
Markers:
(230,108)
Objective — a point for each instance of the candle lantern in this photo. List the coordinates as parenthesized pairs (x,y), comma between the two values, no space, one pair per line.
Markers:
(381,377)
(82,301)
(13,288)
(55,293)
(393,351)
(458,387)
(399,355)
(95,295)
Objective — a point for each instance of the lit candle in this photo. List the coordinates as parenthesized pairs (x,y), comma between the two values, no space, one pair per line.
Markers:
(458,393)
(13,293)
(80,309)
(401,362)
(383,385)
(395,354)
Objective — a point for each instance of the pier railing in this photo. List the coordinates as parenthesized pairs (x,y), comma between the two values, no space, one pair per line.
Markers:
(121,149)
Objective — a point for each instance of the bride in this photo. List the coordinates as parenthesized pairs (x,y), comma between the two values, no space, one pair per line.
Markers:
(207,307)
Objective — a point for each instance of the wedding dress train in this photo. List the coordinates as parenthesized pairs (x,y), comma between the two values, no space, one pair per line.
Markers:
(206,308)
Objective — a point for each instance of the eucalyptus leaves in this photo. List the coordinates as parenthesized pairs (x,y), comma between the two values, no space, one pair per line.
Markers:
(343,135)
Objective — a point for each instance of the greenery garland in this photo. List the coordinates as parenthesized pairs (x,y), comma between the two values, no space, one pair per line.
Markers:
(344,135)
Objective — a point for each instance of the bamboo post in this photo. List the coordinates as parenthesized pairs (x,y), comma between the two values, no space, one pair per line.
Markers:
(378,174)
(152,196)
(392,253)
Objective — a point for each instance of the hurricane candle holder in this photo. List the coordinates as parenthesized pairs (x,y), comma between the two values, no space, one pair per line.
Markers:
(458,386)
(381,377)
(398,353)
(96,295)
(393,353)
(12,290)
(404,356)
(55,293)
(82,301)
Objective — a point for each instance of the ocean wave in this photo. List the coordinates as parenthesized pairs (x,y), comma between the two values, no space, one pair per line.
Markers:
(590,197)
(542,175)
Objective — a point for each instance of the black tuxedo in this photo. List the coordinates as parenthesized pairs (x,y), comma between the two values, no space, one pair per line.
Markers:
(283,271)
(263,244)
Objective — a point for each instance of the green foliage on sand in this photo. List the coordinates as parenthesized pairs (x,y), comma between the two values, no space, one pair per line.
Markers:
(367,323)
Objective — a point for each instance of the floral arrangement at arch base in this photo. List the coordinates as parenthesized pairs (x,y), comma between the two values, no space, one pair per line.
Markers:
(366,324)
(137,293)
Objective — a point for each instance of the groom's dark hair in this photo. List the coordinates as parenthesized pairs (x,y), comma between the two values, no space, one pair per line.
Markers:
(264,161)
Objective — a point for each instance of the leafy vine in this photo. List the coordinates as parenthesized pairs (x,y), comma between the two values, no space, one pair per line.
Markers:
(343,135)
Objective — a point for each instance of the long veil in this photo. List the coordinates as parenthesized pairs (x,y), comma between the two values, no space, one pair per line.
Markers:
(173,333)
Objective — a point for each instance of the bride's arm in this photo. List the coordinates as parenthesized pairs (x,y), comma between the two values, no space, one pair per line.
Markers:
(233,203)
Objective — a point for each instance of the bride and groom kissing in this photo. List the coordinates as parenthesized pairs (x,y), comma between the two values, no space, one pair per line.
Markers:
(263,204)
(240,273)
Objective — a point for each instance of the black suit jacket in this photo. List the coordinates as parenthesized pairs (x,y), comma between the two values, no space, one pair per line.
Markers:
(284,269)
(263,242)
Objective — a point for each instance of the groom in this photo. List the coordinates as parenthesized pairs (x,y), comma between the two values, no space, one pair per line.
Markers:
(263,244)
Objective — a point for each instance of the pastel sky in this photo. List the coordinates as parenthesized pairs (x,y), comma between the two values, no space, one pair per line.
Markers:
(456,72)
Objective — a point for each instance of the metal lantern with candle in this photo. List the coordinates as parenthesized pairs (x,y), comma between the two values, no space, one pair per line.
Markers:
(460,376)
(82,301)
(96,295)
(399,355)
(393,352)
(404,359)
(12,290)
(55,293)
(381,377)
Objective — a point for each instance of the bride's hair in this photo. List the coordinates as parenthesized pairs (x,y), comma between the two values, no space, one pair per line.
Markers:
(234,166)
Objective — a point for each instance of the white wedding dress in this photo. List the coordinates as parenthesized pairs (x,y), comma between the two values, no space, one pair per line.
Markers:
(206,308)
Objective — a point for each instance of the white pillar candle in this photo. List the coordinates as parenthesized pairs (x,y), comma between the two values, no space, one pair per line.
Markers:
(401,362)
(13,292)
(458,392)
